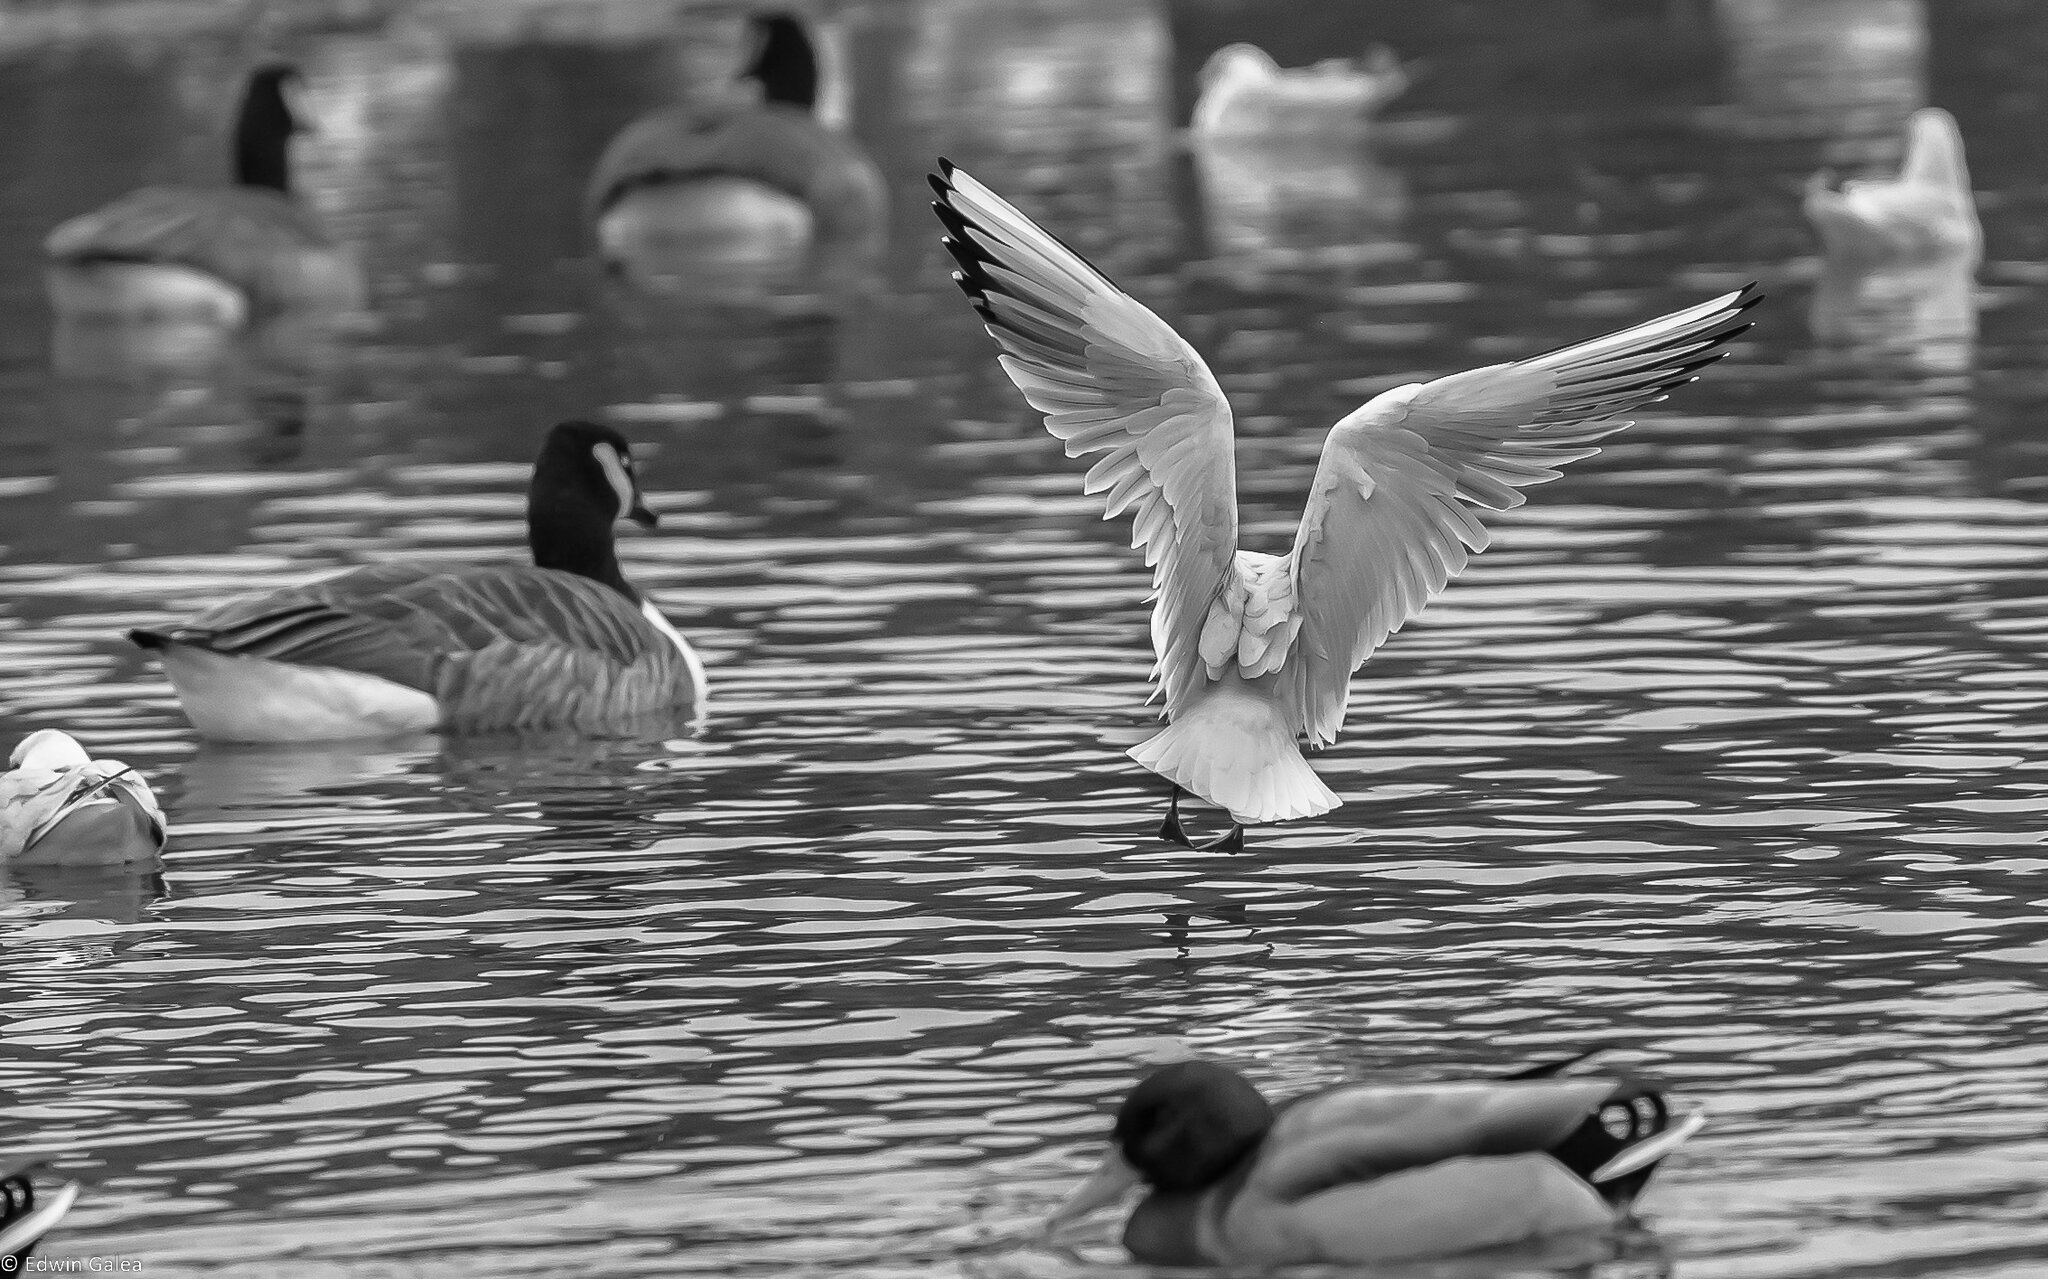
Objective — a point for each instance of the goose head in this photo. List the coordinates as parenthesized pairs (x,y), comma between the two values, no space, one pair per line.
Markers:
(584,483)
(1182,1129)
(272,111)
(784,62)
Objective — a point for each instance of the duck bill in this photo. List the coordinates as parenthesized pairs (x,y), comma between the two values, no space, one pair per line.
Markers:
(1110,1182)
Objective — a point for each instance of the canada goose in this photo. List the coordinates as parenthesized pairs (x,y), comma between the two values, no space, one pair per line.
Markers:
(403,648)
(1926,212)
(61,807)
(1256,650)
(1373,1172)
(759,187)
(213,255)
(1247,94)
(25,1215)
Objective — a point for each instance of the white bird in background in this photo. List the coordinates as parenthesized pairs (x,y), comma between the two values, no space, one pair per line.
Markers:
(1246,94)
(1926,212)
(61,807)
(1255,651)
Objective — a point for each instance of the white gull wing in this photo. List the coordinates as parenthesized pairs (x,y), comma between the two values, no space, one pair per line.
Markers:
(1392,513)
(1111,378)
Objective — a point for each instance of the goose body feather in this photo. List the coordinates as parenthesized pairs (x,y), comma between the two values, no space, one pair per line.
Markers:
(750,186)
(397,648)
(1255,651)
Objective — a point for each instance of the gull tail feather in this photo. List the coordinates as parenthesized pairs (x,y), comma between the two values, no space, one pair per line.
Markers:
(1234,748)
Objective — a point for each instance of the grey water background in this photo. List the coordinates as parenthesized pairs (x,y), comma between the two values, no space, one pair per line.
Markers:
(1731,754)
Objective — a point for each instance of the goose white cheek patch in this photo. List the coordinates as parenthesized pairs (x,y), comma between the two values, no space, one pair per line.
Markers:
(615,471)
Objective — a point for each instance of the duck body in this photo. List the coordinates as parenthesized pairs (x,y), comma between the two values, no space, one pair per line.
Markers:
(1374,1173)
(1246,94)
(1255,651)
(1925,213)
(61,807)
(26,1214)
(565,643)
(214,256)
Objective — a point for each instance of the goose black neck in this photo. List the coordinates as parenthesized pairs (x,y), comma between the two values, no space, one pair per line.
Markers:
(574,539)
(263,134)
(787,65)
(574,547)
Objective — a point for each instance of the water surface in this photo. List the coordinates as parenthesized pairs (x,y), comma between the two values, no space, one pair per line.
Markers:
(1731,754)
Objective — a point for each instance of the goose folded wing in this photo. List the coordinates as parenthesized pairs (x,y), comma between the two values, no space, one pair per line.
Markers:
(1393,511)
(1352,1135)
(233,232)
(1111,378)
(407,625)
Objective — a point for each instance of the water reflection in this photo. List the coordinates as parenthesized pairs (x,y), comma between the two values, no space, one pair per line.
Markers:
(1924,312)
(108,894)
(1299,202)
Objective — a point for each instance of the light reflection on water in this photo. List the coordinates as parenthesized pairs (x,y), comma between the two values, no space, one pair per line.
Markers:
(1730,753)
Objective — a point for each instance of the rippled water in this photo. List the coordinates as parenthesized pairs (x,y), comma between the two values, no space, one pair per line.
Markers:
(1731,754)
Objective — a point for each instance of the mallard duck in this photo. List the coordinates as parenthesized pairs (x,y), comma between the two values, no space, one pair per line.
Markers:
(755,184)
(25,1216)
(1926,212)
(1255,650)
(1373,1172)
(1247,94)
(217,256)
(403,648)
(61,807)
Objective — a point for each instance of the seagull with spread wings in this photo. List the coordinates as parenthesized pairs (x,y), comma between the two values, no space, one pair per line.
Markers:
(1256,651)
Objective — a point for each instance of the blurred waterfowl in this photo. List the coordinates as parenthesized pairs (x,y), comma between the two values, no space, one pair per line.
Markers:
(212,256)
(1374,1172)
(25,1215)
(1255,651)
(1247,94)
(566,643)
(1926,212)
(61,807)
(748,187)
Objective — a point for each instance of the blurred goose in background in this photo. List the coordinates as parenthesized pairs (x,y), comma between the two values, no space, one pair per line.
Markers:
(402,648)
(216,256)
(25,1216)
(1247,94)
(1254,650)
(1374,1172)
(61,807)
(1926,212)
(751,186)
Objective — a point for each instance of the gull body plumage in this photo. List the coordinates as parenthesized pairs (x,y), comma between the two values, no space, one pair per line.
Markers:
(1256,651)
(61,807)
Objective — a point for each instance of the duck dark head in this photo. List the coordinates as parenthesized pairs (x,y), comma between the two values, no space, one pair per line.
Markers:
(1182,1129)
(583,483)
(264,129)
(785,62)
(1185,1126)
